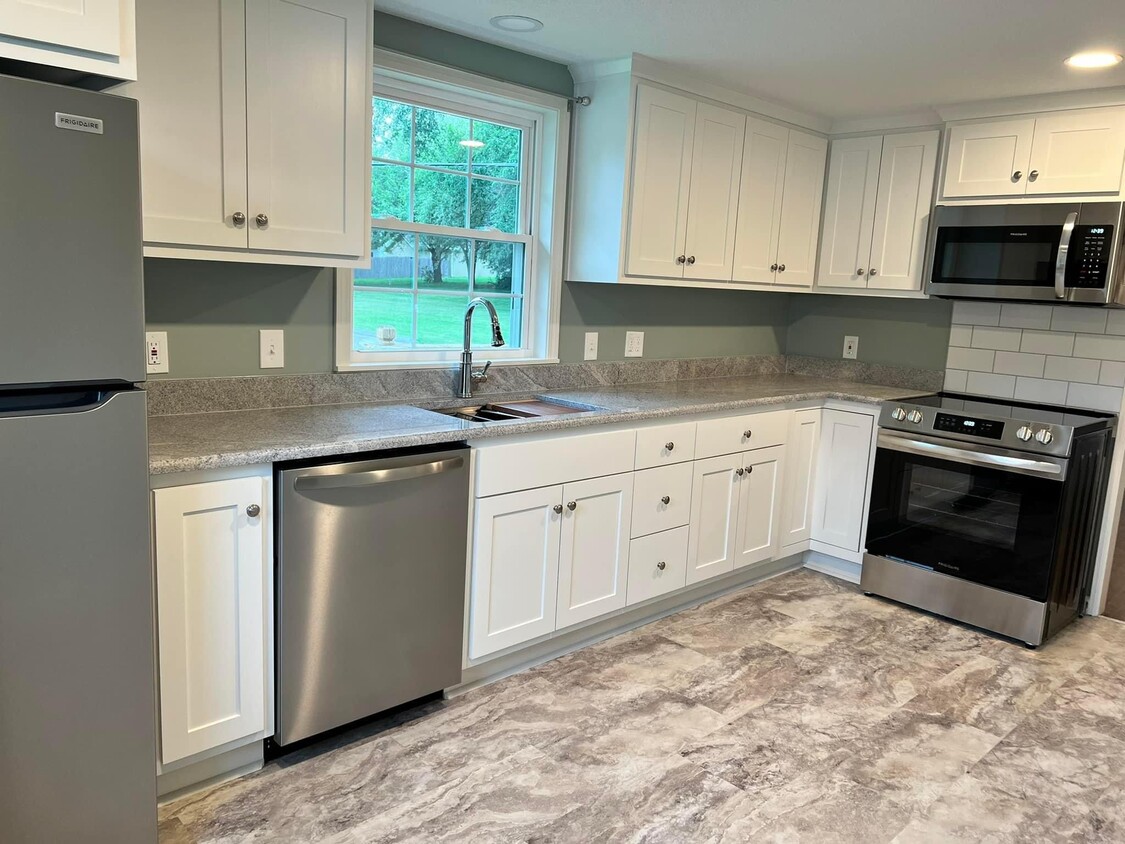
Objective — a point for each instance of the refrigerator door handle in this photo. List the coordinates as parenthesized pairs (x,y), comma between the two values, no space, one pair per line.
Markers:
(40,403)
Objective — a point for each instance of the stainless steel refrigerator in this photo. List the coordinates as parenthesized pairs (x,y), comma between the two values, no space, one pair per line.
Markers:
(77,713)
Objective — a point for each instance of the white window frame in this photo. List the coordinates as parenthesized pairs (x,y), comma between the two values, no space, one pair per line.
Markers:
(545,119)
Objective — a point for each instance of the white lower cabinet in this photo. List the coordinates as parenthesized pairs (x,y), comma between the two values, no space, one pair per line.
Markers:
(657,565)
(212,575)
(759,499)
(842,478)
(800,477)
(594,548)
(714,517)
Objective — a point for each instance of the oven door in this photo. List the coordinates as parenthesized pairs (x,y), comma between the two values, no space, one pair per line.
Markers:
(986,515)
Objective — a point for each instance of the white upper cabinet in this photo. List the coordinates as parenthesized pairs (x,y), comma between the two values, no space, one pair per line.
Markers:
(662,150)
(879,197)
(759,202)
(713,196)
(800,209)
(89,36)
(1068,152)
(255,129)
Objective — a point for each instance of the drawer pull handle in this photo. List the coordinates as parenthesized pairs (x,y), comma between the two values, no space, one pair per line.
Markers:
(662,565)
(747,434)
(669,446)
(666,499)
(571,505)
(557,508)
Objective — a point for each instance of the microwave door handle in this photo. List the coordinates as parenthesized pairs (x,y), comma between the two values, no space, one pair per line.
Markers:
(1064,249)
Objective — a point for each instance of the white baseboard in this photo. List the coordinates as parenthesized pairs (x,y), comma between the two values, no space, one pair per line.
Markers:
(833,566)
(172,785)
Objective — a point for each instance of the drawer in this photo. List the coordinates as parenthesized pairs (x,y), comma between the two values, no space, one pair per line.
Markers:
(646,577)
(665,444)
(651,487)
(509,467)
(726,436)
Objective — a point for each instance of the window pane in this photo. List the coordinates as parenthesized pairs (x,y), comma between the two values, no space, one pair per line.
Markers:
(439,198)
(499,268)
(390,130)
(499,153)
(443,263)
(392,261)
(390,191)
(514,332)
(441,320)
(383,320)
(495,205)
(482,326)
(441,140)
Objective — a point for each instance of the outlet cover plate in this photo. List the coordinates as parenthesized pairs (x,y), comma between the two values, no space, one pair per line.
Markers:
(156,352)
(634,344)
(590,350)
(851,347)
(272,351)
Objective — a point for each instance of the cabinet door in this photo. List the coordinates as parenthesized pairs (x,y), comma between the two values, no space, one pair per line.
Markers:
(594,548)
(210,565)
(1078,152)
(902,211)
(800,209)
(662,151)
(713,196)
(841,489)
(849,212)
(800,477)
(93,26)
(192,94)
(983,158)
(759,201)
(308,127)
(515,569)
(759,506)
(714,517)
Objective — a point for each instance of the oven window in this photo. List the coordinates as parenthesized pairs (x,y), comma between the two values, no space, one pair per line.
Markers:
(993,527)
(997,255)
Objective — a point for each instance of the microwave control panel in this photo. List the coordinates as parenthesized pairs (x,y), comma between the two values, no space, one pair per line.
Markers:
(1088,261)
(988,428)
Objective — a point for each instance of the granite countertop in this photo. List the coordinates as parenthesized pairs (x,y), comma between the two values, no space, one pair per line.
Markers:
(244,437)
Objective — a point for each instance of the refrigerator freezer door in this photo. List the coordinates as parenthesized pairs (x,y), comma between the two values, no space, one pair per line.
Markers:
(77,710)
(71,297)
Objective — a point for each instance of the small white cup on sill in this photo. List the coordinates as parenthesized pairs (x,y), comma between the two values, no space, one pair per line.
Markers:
(386,334)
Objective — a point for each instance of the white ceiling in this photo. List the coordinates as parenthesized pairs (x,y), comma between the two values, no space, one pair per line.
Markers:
(838,58)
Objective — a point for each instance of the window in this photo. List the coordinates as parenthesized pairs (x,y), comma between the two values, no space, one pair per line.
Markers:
(463,204)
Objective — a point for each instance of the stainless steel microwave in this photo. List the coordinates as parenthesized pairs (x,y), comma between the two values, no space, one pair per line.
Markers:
(1068,253)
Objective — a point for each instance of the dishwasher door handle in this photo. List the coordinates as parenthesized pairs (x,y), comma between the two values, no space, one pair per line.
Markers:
(377,476)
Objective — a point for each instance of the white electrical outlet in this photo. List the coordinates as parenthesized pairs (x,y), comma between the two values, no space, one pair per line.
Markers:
(156,352)
(851,347)
(634,344)
(591,349)
(272,342)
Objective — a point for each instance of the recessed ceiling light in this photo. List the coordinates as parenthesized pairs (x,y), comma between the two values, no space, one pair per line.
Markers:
(1093,60)
(516,23)
(472,144)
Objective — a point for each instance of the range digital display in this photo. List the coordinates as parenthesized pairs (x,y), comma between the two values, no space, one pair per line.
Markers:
(989,428)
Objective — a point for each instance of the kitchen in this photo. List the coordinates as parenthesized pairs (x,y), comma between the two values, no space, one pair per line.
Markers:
(542,432)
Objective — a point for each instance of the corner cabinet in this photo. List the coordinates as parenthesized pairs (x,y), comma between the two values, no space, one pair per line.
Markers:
(93,38)
(843,474)
(255,129)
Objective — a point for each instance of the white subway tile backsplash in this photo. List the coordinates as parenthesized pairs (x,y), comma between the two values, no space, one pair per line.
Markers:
(1112,374)
(955,380)
(976,359)
(1048,343)
(1041,390)
(976,313)
(1094,396)
(1070,318)
(1018,363)
(960,335)
(1007,339)
(1025,316)
(1104,347)
(988,384)
(1115,323)
(1073,369)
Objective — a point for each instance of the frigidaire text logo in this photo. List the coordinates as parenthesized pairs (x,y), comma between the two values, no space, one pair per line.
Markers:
(78,123)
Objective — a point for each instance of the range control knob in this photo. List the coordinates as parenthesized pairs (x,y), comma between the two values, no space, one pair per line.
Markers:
(898,414)
(1024,433)
(914,416)
(1044,436)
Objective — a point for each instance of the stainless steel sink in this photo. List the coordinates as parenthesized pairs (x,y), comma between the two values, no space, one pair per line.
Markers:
(512,410)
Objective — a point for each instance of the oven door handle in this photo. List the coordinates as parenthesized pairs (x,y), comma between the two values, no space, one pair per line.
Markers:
(1064,249)
(1052,468)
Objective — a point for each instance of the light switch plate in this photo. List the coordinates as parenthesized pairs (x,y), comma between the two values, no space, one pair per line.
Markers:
(590,351)
(851,347)
(272,352)
(634,344)
(156,352)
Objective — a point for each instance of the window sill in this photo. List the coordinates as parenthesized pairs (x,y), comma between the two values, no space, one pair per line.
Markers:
(406,364)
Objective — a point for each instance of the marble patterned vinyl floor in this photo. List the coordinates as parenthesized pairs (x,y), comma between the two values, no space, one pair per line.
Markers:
(795,710)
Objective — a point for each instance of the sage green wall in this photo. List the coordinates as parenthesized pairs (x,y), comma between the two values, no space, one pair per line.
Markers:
(901,332)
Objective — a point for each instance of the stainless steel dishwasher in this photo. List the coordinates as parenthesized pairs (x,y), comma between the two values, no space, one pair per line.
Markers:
(371,585)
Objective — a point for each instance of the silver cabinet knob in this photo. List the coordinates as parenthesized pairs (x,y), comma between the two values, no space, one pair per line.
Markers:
(691,259)
(238,218)
(872,271)
(1044,436)
(262,220)
(1024,433)
(571,505)
(681,259)
(1017,175)
(781,268)
(861,272)
(1033,175)
(749,470)
(746,434)
(740,471)
(253,511)
(666,499)
(773,268)
(669,446)
(661,565)
(557,508)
